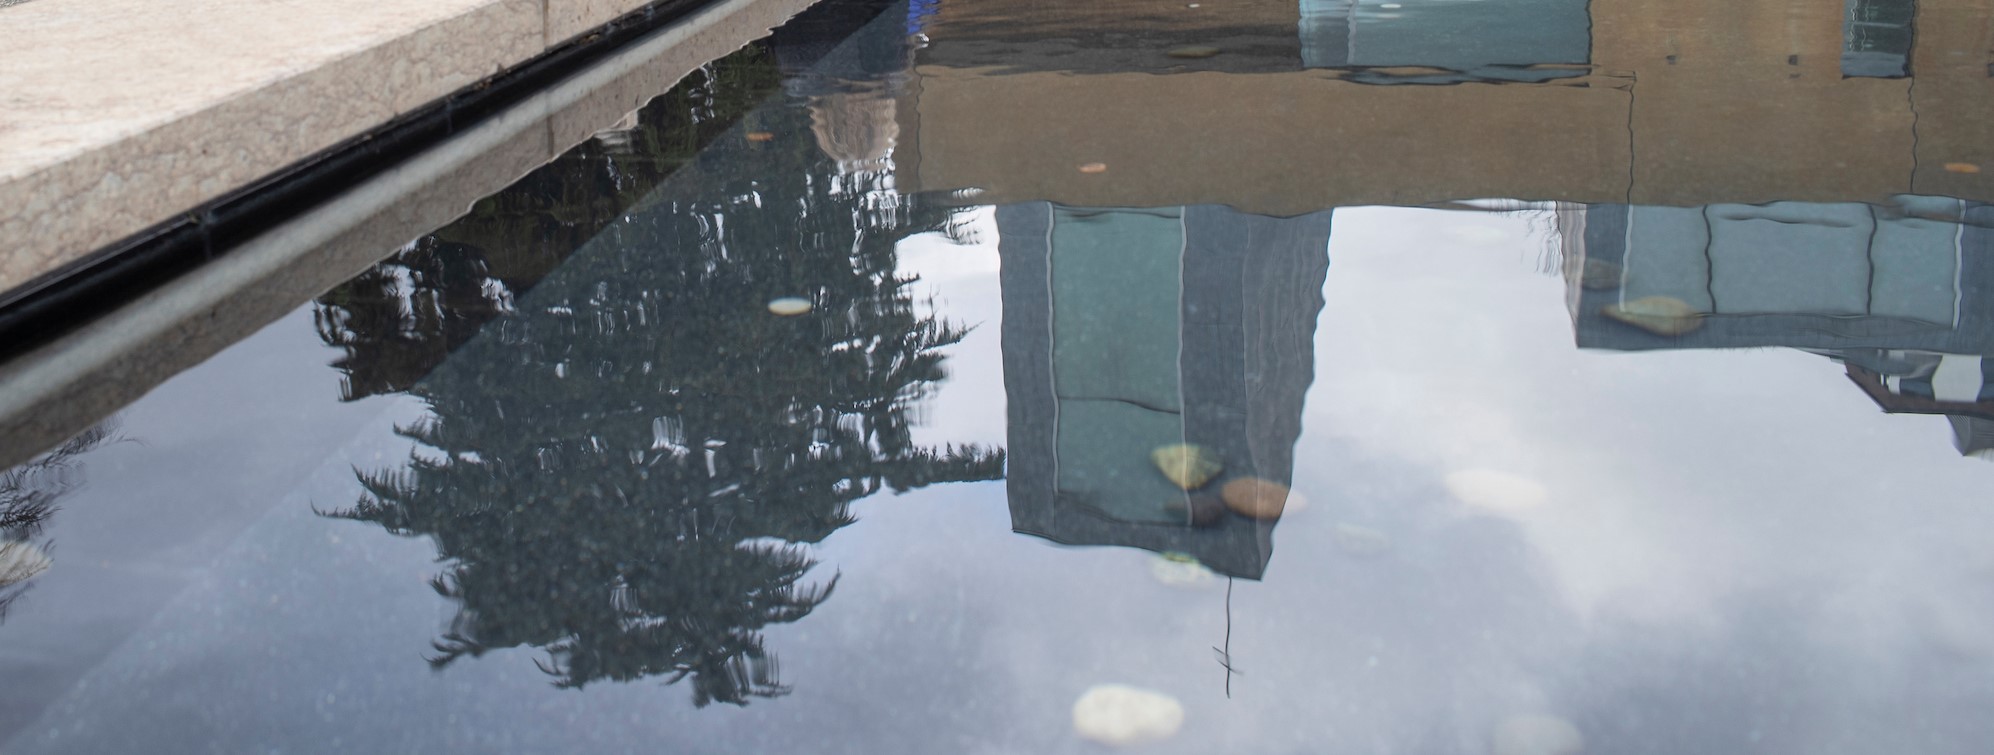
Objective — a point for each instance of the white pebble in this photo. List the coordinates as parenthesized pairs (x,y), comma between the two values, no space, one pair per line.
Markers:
(1120,715)
(1180,570)
(789,306)
(1496,490)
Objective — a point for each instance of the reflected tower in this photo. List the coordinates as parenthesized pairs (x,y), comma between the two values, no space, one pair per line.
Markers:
(1127,330)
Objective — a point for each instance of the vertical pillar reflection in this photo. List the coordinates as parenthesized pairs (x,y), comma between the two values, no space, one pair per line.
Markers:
(1128,330)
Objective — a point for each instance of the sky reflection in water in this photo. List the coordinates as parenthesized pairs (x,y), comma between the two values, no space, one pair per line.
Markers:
(1619,462)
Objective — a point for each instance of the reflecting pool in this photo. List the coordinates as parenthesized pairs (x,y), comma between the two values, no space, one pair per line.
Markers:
(985,376)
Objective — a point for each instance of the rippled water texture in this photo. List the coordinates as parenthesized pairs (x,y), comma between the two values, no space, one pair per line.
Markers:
(985,376)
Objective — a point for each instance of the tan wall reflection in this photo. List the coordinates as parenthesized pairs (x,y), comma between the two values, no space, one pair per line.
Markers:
(1687,102)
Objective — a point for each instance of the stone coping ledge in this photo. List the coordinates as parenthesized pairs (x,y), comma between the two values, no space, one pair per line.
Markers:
(119,115)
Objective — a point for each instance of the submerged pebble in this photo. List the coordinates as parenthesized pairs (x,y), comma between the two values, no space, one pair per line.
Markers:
(1660,315)
(1600,275)
(1537,735)
(1180,570)
(789,306)
(1193,51)
(1197,509)
(1968,168)
(1256,498)
(1093,167)
(1121,715)
(761,136)
(1496,490)
(1187,466)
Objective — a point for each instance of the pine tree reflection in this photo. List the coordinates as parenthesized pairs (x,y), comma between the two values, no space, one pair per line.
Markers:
(399,319)
(621,469)
(28,495)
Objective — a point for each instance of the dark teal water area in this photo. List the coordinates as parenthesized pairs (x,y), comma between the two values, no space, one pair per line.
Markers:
(1669,466)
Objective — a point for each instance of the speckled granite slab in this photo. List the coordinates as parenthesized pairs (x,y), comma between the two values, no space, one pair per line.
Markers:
(118,114)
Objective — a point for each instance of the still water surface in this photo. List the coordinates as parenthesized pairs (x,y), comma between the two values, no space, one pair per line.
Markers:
(1624,367)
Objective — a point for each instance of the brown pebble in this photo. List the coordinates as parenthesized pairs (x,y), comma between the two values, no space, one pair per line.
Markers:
(1193,51)
(760,136)
(1256,498)
(1205,509)
(1094,168)
(1600,275)
(1962,168)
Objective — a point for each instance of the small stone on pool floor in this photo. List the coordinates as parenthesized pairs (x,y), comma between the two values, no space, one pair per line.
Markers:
(1256,498)
(1186,465)
(1180,570)
(789,306)
(1120,715)
(1193,51)
(1660,315)
(1196,509)
(1496,490)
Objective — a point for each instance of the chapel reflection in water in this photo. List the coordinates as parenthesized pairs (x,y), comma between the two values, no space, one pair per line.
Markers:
(626,441)
(1902,295)
(1126,331)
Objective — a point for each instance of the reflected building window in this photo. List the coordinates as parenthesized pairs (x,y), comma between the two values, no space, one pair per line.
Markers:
(1126,331)
(1800,274)
(1902,296)
(1475,40)
(1958,386)
(1877,37)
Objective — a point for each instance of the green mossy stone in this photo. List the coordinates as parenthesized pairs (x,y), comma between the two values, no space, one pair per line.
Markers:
(1187,466)
(1660,315)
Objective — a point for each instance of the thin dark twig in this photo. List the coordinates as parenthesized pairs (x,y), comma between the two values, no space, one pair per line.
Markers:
(1225,654)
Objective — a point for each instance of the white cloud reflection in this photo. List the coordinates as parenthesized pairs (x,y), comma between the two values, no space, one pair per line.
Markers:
(1733,552)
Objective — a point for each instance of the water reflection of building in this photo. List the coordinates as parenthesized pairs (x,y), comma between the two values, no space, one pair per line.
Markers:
(1901,294)
(852,86)
(1127,330)
(1921,382)
(1467,40)
(1676,102)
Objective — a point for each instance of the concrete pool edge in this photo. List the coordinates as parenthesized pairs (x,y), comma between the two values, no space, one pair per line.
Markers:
(119,125)
(64,386)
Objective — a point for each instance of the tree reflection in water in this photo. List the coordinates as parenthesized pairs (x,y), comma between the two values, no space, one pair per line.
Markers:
(623,467)
(28,495)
